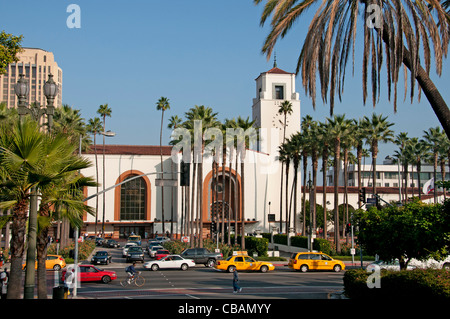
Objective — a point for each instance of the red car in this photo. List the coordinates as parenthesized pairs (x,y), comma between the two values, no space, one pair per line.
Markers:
(92,273)
(161,254)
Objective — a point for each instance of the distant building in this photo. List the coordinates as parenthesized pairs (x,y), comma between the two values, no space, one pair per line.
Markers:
(35,65)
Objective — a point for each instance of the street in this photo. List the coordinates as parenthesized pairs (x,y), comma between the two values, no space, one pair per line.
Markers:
(201,282)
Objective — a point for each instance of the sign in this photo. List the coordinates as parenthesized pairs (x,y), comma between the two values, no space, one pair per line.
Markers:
(371,202)
(185,239)
(166,182)
(352,251)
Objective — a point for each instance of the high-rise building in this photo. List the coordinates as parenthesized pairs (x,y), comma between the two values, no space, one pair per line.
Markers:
(35,65)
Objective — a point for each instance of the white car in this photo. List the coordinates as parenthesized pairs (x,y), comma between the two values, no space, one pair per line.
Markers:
(170,261)
(153,250)
(125,248)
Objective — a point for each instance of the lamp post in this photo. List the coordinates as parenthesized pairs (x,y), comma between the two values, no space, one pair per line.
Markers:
(21,89)
(105,134)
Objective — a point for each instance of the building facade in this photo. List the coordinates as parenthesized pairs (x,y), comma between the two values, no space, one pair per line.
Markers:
(35,65)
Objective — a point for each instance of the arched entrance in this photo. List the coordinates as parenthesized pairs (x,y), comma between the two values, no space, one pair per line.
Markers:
(222,199)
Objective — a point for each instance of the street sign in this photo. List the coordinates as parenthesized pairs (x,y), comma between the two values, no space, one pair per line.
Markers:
(185,239)
(371,202)
(166,182)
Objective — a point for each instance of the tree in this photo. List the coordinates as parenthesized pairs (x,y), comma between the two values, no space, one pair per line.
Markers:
(377,130)
(9,48)
(174,122)
(162,105)
(95,127)
(416,230)
(433,138)
(339,128)
(403,27)
(104,111)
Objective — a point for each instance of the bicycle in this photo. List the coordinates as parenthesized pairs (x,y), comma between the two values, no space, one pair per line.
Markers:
(137,279)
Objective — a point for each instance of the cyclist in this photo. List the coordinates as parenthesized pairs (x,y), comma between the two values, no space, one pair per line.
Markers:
(131,271)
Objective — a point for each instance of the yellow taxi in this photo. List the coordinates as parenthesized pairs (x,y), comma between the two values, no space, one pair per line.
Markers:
(305,261)
(242,262)
(55,262)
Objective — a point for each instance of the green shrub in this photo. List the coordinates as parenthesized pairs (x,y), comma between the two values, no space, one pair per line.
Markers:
(280,239)
(299,241)
(323,245)
(418,283)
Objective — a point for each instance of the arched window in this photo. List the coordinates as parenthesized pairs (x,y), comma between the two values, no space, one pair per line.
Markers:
(133,199)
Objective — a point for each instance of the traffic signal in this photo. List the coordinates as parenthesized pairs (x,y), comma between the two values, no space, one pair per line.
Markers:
(213,227)
(362,195)
(348,228)
(185,171)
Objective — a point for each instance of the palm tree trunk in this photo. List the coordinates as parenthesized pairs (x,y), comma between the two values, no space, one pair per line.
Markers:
(324,192)
(287,195)
(305,166)
(336,196)
(281,197)
(41,248)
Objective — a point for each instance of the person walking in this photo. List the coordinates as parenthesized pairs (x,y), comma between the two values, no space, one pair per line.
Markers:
(236,287)
(4,283)
(69,279)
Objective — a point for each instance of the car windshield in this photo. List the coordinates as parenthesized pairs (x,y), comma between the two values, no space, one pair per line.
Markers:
(102,253)
(162,252)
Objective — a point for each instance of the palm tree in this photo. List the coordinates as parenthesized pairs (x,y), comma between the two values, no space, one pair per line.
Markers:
(68,120)
(420,150)
(296,151)
(402,141)
(359,136)
(402,26)
(94,127)
(174,122)
(207,119)
(104,111)
(324,138)
(339,128)
(433,138)
(377,130)
(244,141)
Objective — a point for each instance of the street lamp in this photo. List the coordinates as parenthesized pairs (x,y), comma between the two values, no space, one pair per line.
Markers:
(50,92)
(105,134)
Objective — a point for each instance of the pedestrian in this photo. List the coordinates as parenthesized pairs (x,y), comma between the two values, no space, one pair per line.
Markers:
(69,279)
(1,259)
(4,276)
(236,287)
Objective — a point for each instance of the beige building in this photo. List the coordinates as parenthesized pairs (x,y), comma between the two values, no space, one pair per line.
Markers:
(36,65)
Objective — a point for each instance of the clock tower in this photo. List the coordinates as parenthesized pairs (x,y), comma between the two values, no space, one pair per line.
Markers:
(272,89)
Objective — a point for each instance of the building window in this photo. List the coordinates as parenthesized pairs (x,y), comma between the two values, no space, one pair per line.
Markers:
(279,92)
(132,199)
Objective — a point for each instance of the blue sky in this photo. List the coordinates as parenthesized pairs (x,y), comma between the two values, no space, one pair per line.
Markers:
(203,52)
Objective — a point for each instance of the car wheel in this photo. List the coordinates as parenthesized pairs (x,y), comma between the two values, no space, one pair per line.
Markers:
(337,268)
(210,263)
(184,267)
(155,267)
(231,268)
(106,279)
(56,267)
(446,266)
(304,268)
(264,268)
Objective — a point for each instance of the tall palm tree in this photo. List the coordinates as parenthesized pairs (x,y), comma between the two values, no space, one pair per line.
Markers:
(312,130)
(433,137)
(104,110)
(359,136)
(296,151)
(324,138)
(377,130)
(402,140)
(207,119)
(174,122)
(420,150)
(162,105)
(403,27)
(94,127)
(339,128)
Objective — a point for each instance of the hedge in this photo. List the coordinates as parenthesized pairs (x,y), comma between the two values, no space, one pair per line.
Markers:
(418,283)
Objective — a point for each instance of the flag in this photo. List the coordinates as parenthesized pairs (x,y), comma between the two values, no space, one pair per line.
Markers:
(428,187)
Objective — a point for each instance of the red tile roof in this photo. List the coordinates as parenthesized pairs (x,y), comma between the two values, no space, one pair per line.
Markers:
(278,71)
(130,149)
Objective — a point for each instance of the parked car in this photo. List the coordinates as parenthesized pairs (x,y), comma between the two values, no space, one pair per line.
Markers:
(170,261)
(101,257)
(125,248)
(99,241)
(111,243)
(243,263)
(135,253)
(55,262)
(162,239)
(202,256)
(135,238)
(305,261)
(92,273)
(152,250)
(161,254)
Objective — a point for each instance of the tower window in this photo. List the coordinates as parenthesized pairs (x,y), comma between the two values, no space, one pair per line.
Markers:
(279,92)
